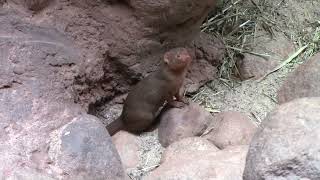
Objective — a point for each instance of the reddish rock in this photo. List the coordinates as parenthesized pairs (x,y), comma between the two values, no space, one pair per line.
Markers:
(209,48)
(231,129)
(122,42)
(128,148)
(288,144)
(43,133)
(179,123)
(200,72)
(303,82)
(217,165)
(186,147)
(278,48)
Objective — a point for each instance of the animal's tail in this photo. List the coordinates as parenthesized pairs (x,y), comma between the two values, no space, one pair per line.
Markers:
(115,126)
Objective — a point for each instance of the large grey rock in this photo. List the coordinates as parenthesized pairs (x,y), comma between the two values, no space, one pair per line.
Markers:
(83,150)
(303,82)
(287,146)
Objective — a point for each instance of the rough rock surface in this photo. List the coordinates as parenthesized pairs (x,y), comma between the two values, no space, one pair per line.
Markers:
(127,147)
(275,49)
(227,164)
(287,146)
(303,82)
(41,128)
(179,123)
(231,129)
(186,147)
(123,41)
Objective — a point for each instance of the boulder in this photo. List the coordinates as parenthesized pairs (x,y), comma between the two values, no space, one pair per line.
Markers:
(275,49)
(203,164)
(128,148)
(123,41)
(207,47)
(82,149)
(231,129)
(303,82)
(186,147)
(58,142)
(287,146)
(43,133)
(179,123)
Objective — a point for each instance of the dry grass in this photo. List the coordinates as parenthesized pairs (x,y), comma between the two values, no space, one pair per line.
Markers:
(236,23)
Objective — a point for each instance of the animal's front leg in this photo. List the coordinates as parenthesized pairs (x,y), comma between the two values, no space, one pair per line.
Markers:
(180,98)
(174,103)
(179,102)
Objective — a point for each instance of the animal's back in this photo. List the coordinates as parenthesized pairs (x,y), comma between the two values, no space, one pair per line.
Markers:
(144,100)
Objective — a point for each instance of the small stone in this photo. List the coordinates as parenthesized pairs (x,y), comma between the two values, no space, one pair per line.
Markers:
(18,70)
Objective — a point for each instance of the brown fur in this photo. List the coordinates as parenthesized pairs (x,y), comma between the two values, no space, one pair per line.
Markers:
(145,99)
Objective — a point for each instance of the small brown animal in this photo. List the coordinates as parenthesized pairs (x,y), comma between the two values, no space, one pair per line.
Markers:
(145,99)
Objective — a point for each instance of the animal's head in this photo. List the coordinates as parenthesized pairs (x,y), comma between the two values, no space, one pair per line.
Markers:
(177,58)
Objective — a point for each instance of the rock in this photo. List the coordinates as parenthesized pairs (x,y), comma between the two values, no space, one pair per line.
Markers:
(123,42)
(128,148)
(287,146)
(231,129)
(60,142)
(216,165)
(187,146)
(278,48)
(199,72)
(84,150)
(25,174)
(171,11)
(303,82)
(43,133)
(210,49)
(179,123)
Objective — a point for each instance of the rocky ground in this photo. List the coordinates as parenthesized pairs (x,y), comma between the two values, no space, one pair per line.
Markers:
(65,67)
